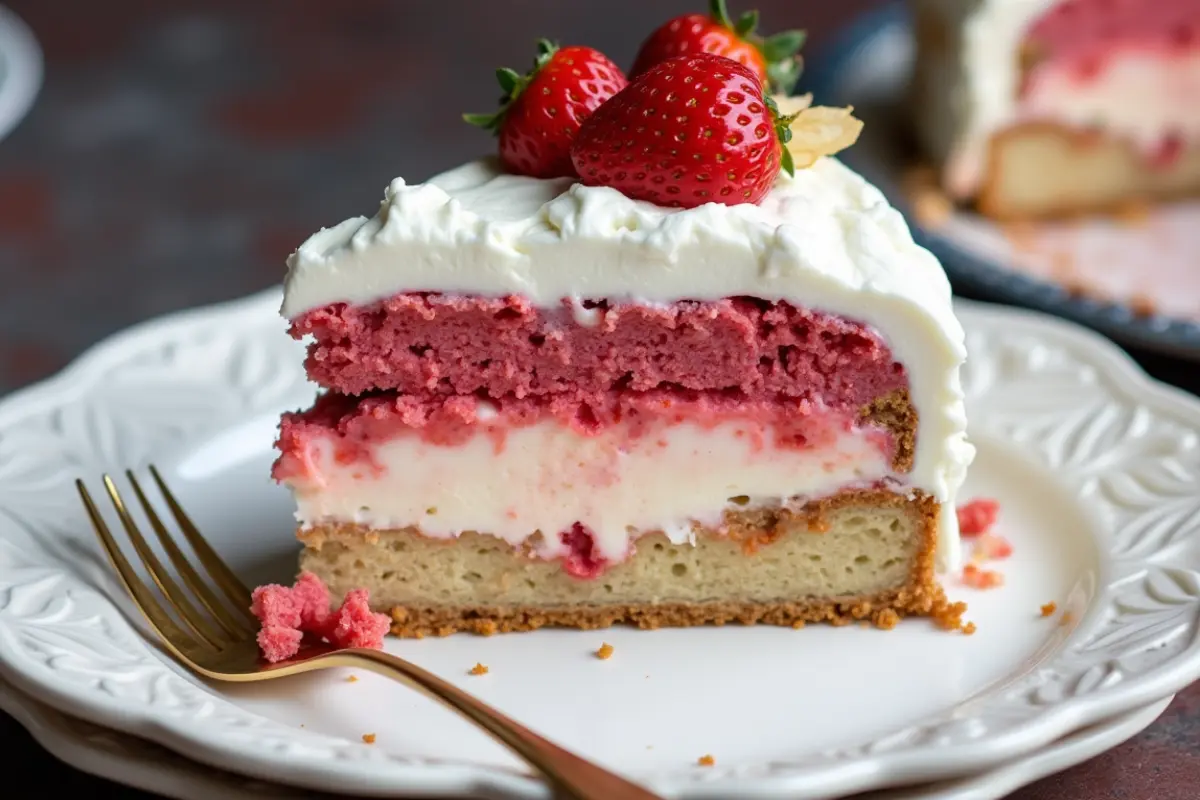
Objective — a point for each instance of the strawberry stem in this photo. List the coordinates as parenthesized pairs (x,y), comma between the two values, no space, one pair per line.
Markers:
(512,83)
(780,51)
(783,132)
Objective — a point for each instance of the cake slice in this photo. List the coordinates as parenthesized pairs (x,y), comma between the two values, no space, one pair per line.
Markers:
(1038,108)
(547,403)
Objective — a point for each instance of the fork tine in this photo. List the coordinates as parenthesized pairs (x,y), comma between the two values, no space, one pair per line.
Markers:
(235,626)
(201,626)
(222,575)
(143,598)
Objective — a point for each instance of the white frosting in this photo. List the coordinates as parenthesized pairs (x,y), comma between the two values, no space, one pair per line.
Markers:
(825,239)
(546,477)
(972,71)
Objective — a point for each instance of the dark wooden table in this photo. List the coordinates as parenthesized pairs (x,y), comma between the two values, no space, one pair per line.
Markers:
(180,149)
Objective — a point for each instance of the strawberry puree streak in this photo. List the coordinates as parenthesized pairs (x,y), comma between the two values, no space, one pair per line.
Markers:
(1084,33)
(356,425)
(433,345)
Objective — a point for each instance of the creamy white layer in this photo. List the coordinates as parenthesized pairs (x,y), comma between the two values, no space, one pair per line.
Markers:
(825,239)
(545,477)
(1141,96)
(975,78)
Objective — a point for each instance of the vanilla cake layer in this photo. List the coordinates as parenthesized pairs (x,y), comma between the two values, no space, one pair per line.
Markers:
(1044,170)
(864,554)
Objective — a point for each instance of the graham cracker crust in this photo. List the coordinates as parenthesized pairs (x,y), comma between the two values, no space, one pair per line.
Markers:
(748,540)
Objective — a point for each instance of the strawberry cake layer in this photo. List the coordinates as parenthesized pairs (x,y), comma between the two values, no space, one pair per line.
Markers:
(1054,106)
(502,346)
(548,403)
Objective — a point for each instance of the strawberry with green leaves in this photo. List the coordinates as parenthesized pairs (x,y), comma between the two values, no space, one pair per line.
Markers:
(688,131)
(773,59)
(540,112)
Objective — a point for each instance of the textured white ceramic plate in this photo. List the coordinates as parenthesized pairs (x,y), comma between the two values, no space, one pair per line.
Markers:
(124,758)
(20,70)
(1096,467)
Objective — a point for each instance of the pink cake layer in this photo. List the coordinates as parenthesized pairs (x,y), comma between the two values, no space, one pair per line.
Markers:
(356,425)
(1083,33)
(504,347)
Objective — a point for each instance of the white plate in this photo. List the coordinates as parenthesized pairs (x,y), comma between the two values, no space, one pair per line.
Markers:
(134,762)
(20,70)
(1096,467)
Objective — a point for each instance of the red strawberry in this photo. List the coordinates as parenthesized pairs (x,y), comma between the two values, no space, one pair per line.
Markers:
(688,131)
(540,112)
(773,59)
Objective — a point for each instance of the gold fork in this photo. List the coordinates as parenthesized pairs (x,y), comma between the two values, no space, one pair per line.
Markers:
(217,640)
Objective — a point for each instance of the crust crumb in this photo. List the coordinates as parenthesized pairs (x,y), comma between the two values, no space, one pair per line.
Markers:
(368,738)
(352,679)
(479,669)
(969,629)
(706,760)
(605,652)
(1049,609)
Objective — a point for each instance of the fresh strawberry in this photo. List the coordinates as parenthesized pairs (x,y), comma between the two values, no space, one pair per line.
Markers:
(541,111)
(688,131)
(773,59)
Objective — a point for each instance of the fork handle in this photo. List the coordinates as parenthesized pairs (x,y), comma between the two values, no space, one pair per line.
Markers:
(565,771)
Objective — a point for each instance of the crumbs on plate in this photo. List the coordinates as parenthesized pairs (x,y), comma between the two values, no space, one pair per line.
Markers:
(605,652)
(706,760)
(1049,609)
(368,738)
(479,669)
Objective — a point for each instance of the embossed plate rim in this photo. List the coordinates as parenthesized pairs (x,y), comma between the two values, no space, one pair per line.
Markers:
(1101,685)
(120,757)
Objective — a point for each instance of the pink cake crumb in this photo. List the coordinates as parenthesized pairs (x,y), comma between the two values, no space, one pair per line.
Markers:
(977,517)
(290,613)
(354,624)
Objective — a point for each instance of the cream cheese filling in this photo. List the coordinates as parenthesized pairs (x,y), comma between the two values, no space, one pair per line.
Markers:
(545,477)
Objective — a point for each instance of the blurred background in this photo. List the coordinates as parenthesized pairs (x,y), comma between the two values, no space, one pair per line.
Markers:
(179,150)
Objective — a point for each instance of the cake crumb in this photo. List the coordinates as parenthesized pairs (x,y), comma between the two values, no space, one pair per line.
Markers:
(352,679)
(605,652)
(368,738)
(288,615)
(1133,213)
(887,619)
(479,669)
(978,578)
(798,624)
(992,547)
(969,629)
(977,517)
(1049,609)
(1142,305)
(706,760)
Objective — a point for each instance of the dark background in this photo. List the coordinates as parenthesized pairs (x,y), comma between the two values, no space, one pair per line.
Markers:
(179,151)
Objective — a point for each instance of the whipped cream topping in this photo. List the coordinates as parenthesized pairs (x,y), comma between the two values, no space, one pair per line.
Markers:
(824,239)
(546,477)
